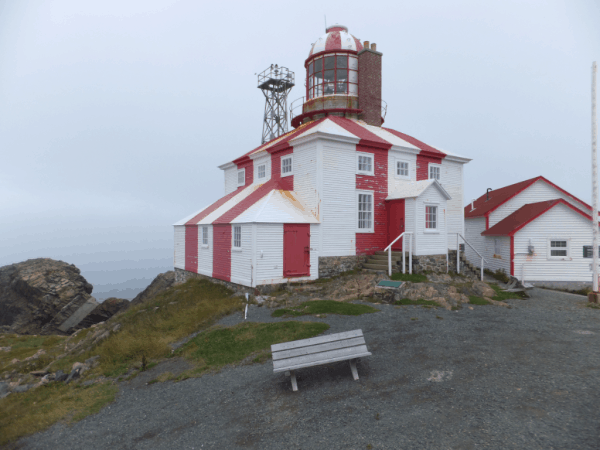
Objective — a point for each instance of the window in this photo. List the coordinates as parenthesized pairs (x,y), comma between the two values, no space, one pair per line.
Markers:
(435,172)
(332,74)
(237,236)
(365,212)
(559,248)
(364,163)
(205,236)
(496,246)
(286,166)
(241,177)
(402,169)
(261,171)
(430,218)
(587,251)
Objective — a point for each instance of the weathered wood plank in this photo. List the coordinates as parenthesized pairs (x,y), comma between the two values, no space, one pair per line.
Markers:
(319,358)
(318,348)
(319,363)
(315,340)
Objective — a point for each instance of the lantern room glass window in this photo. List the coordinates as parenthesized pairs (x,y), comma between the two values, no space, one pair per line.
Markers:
(332,74)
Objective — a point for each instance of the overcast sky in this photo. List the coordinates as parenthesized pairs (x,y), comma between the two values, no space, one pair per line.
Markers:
(115,114)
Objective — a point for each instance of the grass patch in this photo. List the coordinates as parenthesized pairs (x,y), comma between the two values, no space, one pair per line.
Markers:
(593,306)
(474,300)
(420,302)
(146,332)
(347,273)
(499,275)
(216,348)
(35,410)
(324,307)
(25,346)
(412,277)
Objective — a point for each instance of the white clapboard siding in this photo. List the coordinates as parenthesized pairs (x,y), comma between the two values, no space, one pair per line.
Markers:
(409,221)
(494,261)
(269,253)
(205,252)
(241,261)
(537,192)
(429,243)
(315,230)
(560,222)
(338,207)
(266,160)
(230,179)
(393,180)
(305,175)
(473,229)
(452,180)
(179,247)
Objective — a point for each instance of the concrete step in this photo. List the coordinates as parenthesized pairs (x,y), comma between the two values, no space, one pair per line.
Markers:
(385,257)
(381,267)
(393,254)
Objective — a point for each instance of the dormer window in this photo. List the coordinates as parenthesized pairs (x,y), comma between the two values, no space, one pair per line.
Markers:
(261,171)
(435,172)
(241,177)
(286,166)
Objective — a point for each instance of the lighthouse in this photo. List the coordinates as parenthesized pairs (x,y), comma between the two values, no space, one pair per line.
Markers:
(343,78)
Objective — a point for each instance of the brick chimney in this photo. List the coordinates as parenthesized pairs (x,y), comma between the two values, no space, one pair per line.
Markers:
(369,84)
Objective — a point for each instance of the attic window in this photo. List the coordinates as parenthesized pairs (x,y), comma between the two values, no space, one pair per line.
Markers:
(435,172)
(261,171)
(241,177)
(286,166)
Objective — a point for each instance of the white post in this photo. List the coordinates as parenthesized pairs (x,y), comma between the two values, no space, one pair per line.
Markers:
(390,261)
(594,185)
(403,250)
(410,256)
(457,255)
(482,268)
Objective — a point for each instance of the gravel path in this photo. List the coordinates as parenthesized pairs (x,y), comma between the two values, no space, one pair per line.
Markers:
(490,377)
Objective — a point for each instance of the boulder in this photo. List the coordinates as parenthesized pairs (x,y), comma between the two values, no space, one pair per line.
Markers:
(38,296)
(104,311)
(60,376)
(161,283)
(483,290)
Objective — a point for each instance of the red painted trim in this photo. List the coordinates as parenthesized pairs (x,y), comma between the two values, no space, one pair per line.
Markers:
(512,256)
(248,202)
(286,183)
(191,248)
(565,192)
(423,161)
(206,211)
(248,165)
(222,252)
(367,138)
(296,121)
(481,212)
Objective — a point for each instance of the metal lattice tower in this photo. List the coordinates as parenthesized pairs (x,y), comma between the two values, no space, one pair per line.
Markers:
(275,83)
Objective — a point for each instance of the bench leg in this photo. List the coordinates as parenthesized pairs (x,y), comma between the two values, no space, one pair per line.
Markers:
(353,368)
(294,384)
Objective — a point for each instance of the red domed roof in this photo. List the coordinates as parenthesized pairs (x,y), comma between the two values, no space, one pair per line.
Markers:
(336,38)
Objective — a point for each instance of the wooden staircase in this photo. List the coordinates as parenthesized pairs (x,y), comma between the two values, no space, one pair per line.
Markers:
(379,262)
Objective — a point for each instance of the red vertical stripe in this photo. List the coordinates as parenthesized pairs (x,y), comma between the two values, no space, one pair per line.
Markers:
(286,183)
(222,252)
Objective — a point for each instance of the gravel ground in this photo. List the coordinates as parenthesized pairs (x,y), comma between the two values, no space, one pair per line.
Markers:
(490,377)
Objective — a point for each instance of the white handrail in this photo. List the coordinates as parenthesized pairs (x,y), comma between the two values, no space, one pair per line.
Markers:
(458,254)
(389,250)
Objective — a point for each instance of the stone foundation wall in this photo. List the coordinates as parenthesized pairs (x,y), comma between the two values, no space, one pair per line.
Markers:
(429,263)
(181,276)
(330,266)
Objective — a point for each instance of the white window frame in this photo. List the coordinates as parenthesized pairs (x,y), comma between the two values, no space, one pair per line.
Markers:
(437,218)
(365,155)
(243,172)
(439,167)
(559,258)
(402,177)
(371,229)
(234,247)
(284,158)
(204,236)
(264,167)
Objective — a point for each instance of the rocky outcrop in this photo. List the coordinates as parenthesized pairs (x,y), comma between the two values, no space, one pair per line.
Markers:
(161,283)
(45,296)
(104,311)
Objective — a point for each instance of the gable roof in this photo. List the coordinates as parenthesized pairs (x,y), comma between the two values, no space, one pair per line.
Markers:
(410,189)
(348,128)
(502,195)
(526,214)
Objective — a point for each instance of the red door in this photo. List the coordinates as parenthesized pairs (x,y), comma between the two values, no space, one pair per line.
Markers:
(296,250)
(395,222)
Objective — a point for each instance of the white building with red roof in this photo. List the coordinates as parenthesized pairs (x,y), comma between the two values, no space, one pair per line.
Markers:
(533,230)
(340,185)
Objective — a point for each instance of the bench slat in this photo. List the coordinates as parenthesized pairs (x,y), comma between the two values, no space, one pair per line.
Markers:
(352,342)
(316,340)
(300,366)
(320,358)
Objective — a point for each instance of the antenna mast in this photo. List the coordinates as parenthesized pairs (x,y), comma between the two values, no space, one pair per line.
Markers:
(594,188)
(275,83)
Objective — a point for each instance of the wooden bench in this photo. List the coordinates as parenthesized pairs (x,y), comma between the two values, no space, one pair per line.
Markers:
(290,356)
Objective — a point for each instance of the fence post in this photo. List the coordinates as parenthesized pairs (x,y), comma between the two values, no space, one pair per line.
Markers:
(390,260)
(482,268)
(403,250)
(410,256)
(457,254)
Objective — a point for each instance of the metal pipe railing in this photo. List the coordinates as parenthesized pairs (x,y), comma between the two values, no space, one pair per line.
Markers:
(458,254)
(389,250)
